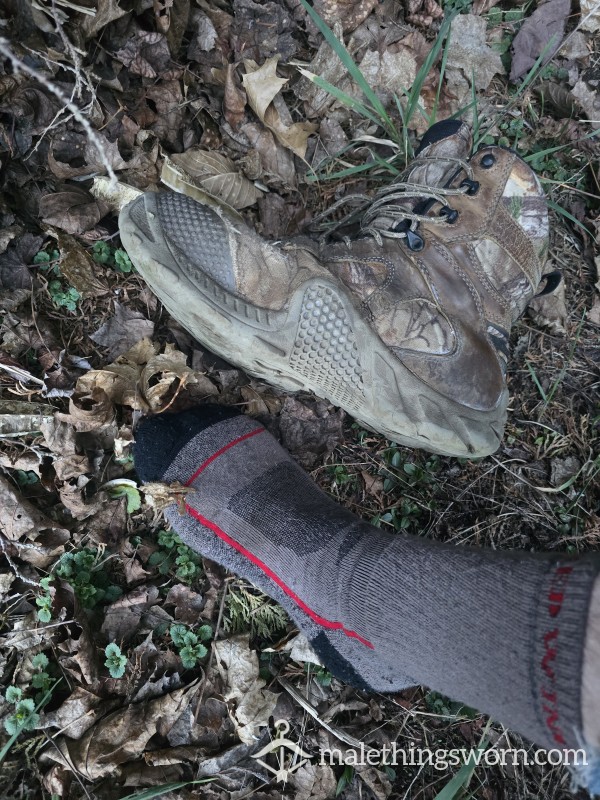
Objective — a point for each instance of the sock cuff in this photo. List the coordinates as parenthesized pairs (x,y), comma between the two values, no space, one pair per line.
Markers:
(159,439)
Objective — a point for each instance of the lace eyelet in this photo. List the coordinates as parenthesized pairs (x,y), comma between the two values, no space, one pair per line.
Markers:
(472,186)
(451,214)
(488,161)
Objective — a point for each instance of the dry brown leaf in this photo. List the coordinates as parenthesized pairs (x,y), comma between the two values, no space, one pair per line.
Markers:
(469,54)
(77,266)
(560,98)
(252,703)
(542,32)
(276,161)
(122,331)
(313,782)
(107,11)
(234,101)
(350,13)
(423,12)
(20,519)
(550,310)
(217,175)
(589,99)
(590,15)
(262,86)
(75,716)
(73,210)
(162,374)
(121,736)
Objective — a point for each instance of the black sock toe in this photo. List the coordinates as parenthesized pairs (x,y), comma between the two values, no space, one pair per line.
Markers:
(158,439)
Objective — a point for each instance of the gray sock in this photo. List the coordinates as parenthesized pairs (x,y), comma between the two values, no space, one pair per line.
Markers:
(502,632)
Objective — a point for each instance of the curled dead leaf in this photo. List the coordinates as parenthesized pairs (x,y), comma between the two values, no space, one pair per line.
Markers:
(199,173)
(262,86)
(253,704)
(121,736)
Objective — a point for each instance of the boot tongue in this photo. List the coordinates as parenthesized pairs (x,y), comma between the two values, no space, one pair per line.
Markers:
(447,139)
(444,141)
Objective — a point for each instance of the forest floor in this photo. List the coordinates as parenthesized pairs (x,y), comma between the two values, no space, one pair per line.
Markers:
(124,657)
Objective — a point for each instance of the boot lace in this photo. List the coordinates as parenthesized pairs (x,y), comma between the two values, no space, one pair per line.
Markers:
(384,215)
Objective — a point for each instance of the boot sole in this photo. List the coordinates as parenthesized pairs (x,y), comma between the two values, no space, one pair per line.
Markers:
(319,343)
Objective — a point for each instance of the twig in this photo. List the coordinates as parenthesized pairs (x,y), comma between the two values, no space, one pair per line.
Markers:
(20,66)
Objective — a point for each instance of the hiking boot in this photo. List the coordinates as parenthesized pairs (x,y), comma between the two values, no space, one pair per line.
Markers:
(404,325)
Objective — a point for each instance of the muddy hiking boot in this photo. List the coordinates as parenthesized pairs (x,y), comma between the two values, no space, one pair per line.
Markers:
(405,324)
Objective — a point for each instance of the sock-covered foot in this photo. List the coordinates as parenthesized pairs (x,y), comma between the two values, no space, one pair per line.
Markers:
(503,632)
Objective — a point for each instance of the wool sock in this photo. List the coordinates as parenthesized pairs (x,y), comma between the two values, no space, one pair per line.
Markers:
(503,632)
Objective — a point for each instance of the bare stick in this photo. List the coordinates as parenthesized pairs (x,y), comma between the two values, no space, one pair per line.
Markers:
(19,66)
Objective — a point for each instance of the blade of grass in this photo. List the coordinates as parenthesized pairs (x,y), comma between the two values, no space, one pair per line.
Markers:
(569,216)
(158,791)
(344,98)
(347,60)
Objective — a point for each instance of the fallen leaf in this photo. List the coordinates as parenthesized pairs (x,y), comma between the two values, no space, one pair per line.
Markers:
(123,617)
(73,210)
(310,428)
(204,37)
(276,161)
(21,519)
(589,100)
(542,32)
(350,13)
(121,736)
(469,55)
(234,100)
(75,716)
(119,333)
(550,310)
(262,87)
(423,12)
(590,15)
(253,704)
(212,173)
(314,782)
(77,266)
(14,262)
(107,11)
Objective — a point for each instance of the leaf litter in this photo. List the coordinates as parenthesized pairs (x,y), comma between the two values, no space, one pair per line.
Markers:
(209,99)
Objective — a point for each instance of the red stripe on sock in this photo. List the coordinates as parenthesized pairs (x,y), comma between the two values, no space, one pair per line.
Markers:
(326,623)
(220,452)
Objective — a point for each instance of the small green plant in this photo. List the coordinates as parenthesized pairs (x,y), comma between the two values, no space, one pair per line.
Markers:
(90,581)
(320,674)
(24,717)
(175,555)
(44,600)
(48,262)
(61,294)
(113,257)
(41,679)
(189,643)
(345,780)
(115,660)
(124,487)
(248,609)
(25,477)
(340,476)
